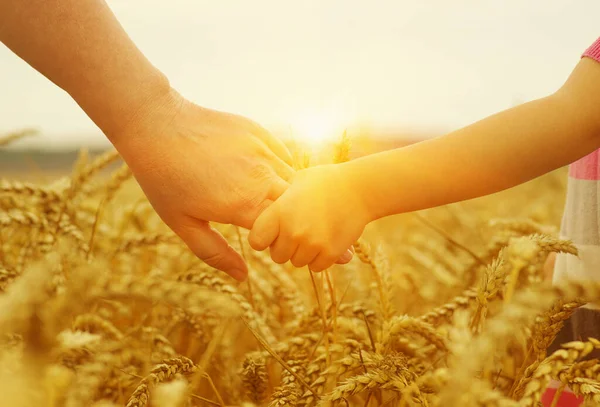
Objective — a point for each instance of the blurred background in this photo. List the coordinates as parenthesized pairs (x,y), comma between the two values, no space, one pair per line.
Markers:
(391,72)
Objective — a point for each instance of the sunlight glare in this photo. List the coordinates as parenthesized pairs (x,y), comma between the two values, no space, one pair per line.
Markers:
(317,128)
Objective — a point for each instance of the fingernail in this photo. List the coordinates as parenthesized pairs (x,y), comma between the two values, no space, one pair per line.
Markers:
(347,256)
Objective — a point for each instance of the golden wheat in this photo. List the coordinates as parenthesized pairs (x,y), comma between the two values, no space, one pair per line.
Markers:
(102,306)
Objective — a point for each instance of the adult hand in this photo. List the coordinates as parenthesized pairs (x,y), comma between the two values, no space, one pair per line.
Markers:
(198,165)
(195,165)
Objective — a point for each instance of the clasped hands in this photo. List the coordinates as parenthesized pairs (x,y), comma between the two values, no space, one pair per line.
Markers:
(198,165)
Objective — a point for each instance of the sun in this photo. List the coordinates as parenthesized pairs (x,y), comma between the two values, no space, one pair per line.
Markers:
(318,127)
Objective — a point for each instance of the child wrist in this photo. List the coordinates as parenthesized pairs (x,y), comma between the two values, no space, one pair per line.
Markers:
(359,187)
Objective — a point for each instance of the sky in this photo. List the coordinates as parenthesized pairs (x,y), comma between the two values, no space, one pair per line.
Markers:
(430,66)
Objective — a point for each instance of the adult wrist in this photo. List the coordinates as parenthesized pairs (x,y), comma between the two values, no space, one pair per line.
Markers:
(154,105)
(117,106)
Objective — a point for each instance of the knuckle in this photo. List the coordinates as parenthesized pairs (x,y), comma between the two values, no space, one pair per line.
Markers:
(317,243)
(243,200)
(299,235)
(329,253)
(260,171)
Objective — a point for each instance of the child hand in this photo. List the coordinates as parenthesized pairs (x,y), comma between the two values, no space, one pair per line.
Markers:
(315,221)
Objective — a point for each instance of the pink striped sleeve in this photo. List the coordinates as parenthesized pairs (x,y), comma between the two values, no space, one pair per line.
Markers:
(593,51)
(587,167)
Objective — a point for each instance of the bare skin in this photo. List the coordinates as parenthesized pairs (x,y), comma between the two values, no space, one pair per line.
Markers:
(327,208)
(549,267)
(196,165)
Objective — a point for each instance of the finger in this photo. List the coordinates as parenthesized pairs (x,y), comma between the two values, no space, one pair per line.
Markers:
(246,218)
(346,257)
(265,229)
(277,188)
(275,145)
(210,246)
(322,262)
(304,255)
(352,252)
(281,167)
(282,249)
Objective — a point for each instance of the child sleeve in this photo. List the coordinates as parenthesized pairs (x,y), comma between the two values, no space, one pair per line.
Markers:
(593,51)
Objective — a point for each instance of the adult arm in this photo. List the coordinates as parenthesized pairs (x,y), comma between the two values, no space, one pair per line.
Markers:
(195,165)
(81,47)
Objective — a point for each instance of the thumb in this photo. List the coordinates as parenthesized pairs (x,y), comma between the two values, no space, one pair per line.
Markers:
(210,246)
(277,188)
(265,229)
(247,218)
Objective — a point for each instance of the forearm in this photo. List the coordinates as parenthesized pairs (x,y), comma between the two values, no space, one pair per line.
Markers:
(496,153)
(81,47)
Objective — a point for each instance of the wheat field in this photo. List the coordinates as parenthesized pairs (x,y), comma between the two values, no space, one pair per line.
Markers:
(101,305)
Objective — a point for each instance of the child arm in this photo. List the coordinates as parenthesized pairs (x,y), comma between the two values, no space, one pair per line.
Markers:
(326,208)
(496,153)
